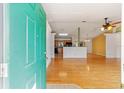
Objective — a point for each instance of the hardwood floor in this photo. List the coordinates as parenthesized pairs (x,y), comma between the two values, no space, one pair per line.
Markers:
(93,72)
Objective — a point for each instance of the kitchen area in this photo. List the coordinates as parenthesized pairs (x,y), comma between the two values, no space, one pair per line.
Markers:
(65,47)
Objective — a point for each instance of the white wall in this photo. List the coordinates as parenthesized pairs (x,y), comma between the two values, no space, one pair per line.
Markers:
(122,53)
(122,58)
(52,45)
(113,45)
(48,44)
(50,39)
(89,46)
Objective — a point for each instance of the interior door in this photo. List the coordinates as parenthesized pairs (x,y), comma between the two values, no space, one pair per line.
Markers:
(27,60)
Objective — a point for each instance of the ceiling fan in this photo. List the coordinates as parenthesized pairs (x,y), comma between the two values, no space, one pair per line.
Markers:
(109,25)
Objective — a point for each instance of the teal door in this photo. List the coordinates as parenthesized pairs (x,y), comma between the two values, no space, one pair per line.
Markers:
(41,48)
(27,46)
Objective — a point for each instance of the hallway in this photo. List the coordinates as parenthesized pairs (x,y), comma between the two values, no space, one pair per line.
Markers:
(94,72)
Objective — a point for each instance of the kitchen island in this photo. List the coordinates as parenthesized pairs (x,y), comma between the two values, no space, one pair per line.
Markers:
(74,52)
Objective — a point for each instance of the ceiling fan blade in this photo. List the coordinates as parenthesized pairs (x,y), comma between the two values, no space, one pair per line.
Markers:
(113,25)
(117,22)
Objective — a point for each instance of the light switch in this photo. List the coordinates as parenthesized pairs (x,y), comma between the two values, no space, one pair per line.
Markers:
(3,70)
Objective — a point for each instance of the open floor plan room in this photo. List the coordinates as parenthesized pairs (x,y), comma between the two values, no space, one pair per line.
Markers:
(86,46)
(61,46)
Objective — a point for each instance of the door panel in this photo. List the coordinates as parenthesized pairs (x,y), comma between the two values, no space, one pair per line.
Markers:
(41,46)
(27,46)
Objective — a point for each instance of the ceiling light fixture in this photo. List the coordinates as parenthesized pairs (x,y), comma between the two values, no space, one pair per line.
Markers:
(84,21)
(63,34)
(102,29)
(107,25)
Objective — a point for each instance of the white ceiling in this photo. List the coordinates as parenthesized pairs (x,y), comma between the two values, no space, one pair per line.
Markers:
(67,17)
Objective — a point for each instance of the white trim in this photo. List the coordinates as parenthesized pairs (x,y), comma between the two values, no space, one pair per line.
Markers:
(5,39)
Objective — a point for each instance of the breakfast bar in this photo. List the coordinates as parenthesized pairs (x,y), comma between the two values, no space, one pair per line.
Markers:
(74,52)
